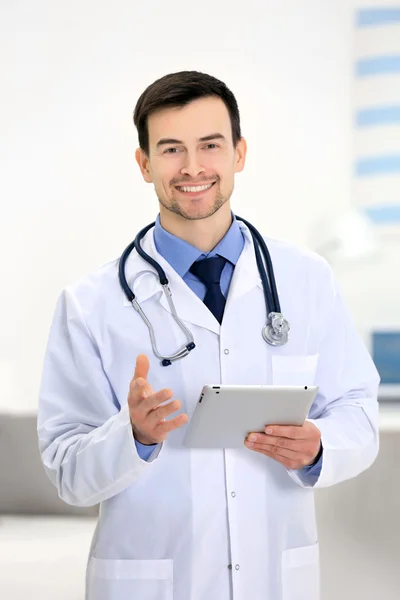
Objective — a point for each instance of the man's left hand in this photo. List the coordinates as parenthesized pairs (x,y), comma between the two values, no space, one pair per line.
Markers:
(295,447)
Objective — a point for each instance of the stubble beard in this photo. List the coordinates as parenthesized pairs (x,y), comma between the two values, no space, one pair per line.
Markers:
(175,207)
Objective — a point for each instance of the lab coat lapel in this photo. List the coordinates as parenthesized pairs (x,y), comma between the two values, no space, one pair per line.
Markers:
(147,286)
(245,275)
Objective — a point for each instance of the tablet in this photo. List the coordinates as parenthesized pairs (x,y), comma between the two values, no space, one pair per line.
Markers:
(226,414)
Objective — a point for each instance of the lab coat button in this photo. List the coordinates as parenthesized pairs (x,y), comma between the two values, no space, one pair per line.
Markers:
(237,567)
(233,494)
(229,566)
(226,351)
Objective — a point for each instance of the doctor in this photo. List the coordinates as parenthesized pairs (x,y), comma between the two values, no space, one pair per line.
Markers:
(180,524)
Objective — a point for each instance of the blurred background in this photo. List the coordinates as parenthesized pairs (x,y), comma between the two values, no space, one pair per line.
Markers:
(318,87)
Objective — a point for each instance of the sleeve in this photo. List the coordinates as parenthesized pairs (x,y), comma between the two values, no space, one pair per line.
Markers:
(85,436)
(346,407)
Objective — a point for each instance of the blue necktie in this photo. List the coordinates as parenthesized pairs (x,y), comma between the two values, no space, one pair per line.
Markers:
(209,270)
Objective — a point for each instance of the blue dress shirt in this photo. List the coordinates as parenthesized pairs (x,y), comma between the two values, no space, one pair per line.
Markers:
(181,255)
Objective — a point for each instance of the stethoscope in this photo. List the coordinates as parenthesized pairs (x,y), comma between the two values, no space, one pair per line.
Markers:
(276,330)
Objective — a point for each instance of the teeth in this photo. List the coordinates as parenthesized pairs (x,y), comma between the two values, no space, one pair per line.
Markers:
(195,189)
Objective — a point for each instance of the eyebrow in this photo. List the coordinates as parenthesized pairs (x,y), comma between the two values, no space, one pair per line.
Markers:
(207,138)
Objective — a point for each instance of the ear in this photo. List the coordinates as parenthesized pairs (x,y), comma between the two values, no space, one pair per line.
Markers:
(144,164)
(240,155)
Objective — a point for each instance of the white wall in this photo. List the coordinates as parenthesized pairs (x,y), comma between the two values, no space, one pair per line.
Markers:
(373,292)
(72,196)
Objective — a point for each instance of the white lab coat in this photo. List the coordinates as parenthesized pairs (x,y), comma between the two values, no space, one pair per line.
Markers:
(201,524)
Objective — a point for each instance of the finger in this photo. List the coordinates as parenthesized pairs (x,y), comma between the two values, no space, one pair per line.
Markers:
(286,462)
(153,401)
(161,412)
(279,442)
(167,426)
(142,367)
(276,451)
(295,432)
(139,390)
(145,403)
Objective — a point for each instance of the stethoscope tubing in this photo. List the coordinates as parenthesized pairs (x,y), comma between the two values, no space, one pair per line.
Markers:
(266,272)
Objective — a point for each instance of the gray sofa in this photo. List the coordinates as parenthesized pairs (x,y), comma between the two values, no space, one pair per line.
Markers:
(24,485)
(44,542)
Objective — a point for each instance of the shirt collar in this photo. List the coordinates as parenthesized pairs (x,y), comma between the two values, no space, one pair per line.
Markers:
(181,255)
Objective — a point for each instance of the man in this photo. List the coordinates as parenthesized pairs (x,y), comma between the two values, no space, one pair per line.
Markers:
(180,524)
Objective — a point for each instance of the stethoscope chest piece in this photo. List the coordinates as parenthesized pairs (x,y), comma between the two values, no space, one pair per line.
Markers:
(276,332)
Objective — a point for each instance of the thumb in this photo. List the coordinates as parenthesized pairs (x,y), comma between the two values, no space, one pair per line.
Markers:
(142,367)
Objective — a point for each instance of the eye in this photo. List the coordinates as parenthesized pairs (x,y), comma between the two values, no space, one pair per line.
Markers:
(215,146)
(168,151)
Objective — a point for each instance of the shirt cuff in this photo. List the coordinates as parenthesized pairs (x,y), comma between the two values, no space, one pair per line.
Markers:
(315,468)
(145,451)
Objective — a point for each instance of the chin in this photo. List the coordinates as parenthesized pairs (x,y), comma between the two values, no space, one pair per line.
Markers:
(196,211)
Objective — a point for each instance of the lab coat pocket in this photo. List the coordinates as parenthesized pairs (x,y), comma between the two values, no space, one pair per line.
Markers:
(294,369)
(300,573)
(129,579)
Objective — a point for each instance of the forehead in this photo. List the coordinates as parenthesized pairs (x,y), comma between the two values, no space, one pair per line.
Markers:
(197,119)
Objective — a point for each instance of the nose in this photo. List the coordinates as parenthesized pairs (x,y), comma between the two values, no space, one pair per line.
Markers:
(192,166)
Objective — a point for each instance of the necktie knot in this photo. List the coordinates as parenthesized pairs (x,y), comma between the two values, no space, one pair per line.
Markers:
(209,270)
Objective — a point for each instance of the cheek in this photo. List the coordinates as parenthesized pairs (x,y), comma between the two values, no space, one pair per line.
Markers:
(162,183)
(166,189)
(224,169)
(162,174)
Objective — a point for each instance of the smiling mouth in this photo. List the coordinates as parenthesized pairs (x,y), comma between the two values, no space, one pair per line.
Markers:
(194,189)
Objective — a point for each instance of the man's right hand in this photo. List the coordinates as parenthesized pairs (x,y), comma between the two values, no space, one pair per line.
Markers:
(147,417)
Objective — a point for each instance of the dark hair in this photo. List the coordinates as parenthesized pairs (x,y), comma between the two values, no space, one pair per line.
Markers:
(179,89)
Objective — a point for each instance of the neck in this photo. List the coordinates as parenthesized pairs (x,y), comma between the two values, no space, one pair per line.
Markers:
(204,234)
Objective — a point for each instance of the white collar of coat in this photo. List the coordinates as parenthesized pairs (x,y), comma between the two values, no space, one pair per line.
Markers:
(188,305)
